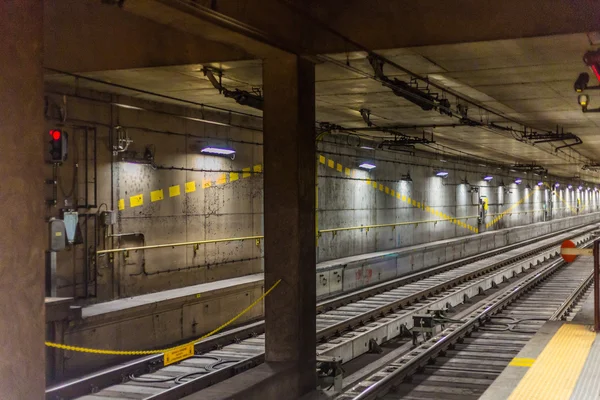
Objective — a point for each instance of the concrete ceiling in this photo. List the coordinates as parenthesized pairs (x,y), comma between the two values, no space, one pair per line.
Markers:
(529,80)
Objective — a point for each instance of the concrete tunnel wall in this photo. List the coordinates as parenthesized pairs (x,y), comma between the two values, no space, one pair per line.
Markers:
(232,205)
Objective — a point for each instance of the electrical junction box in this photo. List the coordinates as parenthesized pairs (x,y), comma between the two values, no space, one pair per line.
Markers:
(57,234)
(109,217)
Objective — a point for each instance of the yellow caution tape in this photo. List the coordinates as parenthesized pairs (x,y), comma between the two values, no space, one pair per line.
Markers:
(146,352)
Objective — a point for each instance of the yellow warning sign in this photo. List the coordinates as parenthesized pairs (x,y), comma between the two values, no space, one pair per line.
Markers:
(178,354)
(174,191)
(135,201)
(156,195)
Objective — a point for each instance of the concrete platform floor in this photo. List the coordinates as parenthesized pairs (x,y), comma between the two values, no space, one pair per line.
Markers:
(561,362)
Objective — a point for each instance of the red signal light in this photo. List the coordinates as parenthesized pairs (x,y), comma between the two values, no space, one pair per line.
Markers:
(55,134)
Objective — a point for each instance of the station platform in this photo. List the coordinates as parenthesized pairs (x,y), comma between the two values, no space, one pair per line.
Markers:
(561,362)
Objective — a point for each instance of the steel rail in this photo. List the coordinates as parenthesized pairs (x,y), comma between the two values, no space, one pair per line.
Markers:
(118,374)
(397,371)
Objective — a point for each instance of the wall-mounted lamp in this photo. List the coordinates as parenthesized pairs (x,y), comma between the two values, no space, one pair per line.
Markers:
(367,147)
(570,187)
(442,174)
(219,151)
(406,178)
(367,166)
(488,178)
(580,187)
(556,184)
(518,181)
(540,183)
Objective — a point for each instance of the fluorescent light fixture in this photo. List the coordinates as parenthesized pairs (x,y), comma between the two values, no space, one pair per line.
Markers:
(540,183)
(488,178)
(219,151)
(482,165)
(442,174)
(366,165)
(518,181)
(127,106)
(442,160)
(367,147)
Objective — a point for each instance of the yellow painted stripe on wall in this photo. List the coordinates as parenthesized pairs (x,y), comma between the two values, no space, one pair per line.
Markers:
(121,204)
(257,168)
(339,167)
(136,201)
(347,171)
(330,163)
(555,372)
(156,195)
(206,183)
(190,187)
(246,172)
(174,191)
(322,159)
(222,179)
(233,176)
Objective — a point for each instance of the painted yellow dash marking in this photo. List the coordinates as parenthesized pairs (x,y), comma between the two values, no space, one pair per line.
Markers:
(136,201)
(380,187)
(398,196)
(403,198)
(156,195)
(178,354)
(246,172)
(322,159)
(374,184)
(222,179)
(392,192)
(205,183)
(233,176)
(347,171)
(339,167)
(331,163)
(387,190)
(418,204)
(190,187)
(414,203)
(257,169)
(368,181)
(555,372)
(174,191)
(522,362)
(121,204)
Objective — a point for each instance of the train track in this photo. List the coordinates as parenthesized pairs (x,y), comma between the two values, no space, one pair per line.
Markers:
(378,313)
(463,360)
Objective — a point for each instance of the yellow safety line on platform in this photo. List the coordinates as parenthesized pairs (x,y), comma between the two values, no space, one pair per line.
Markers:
(146,352)
(555,372)
(522,362)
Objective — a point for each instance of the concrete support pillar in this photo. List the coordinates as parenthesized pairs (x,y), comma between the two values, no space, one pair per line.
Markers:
(22,237)
(289,184)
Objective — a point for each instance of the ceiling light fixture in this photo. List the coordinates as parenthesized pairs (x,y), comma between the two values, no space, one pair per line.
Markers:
(367,147)
(367,166)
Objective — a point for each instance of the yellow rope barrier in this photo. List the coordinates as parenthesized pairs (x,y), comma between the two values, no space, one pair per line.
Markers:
(146,352)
